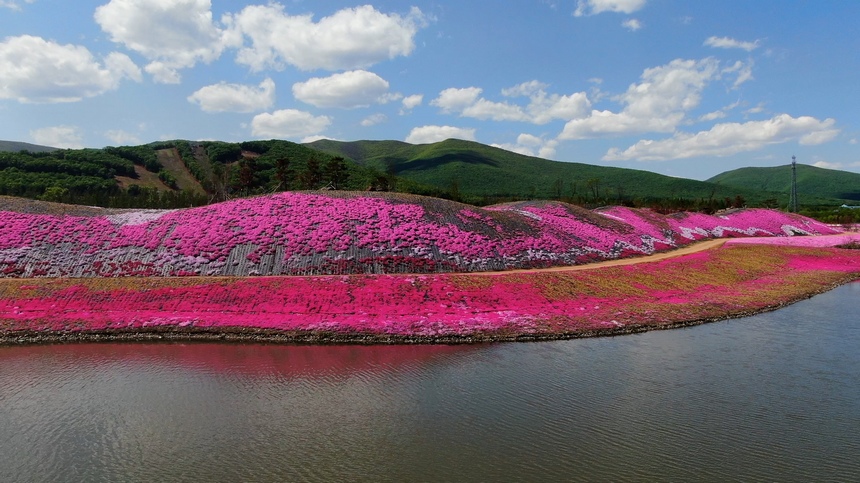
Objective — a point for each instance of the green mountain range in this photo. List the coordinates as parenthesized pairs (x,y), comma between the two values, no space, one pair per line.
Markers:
(183,173)
(481,170)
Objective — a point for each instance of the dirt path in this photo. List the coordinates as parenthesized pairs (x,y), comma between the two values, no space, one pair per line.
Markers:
(692,248)
(680,252)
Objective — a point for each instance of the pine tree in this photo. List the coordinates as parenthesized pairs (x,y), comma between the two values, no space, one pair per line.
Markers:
(336,172)
(284,174)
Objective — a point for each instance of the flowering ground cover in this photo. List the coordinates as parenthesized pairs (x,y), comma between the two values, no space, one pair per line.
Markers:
(394,267)
(709,285)
(810,241)
(333,233)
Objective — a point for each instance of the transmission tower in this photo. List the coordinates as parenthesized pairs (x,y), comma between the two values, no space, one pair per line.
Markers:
(792,204)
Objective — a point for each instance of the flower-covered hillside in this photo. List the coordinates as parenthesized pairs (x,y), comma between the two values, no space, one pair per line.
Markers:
(339,233)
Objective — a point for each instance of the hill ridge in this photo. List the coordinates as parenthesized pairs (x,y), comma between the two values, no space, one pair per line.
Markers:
(22,146)
(482,170)
(811,180)
(201,172)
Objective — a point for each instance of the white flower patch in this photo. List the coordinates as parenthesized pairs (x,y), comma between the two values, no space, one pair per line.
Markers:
(136,217)
(690,233)
(720,231)
(528,214)
(618,218)
(791,230)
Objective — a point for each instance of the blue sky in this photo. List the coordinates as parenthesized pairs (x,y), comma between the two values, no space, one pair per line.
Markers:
(677,87)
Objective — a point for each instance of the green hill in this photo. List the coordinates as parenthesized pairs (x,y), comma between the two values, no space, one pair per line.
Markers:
(180,173)
(476,169)
(172,174)
(812,182)
(14,146)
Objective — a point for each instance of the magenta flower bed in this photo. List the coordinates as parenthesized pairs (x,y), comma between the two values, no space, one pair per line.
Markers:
(344,233)
(711,284)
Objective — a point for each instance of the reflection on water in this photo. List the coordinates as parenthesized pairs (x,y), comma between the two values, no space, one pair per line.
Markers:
(771,397)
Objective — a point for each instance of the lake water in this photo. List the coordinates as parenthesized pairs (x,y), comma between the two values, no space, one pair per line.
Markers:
(775,397)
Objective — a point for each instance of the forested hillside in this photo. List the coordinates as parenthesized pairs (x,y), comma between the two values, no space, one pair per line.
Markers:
(812,182)
(180,173)
(491,174)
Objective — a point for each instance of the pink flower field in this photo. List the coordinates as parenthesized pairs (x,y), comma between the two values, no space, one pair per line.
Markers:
(334,233)
(396,268)
(709,285)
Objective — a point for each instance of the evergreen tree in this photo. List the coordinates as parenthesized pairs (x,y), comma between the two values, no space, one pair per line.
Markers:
(283,173)
(336,172)
(311,178)
(246,174)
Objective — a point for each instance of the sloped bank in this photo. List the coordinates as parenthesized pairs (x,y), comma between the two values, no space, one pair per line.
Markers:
(732,281)
(338,233)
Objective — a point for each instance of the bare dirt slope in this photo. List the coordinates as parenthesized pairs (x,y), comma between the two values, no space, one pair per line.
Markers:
(145,179)
(172,162)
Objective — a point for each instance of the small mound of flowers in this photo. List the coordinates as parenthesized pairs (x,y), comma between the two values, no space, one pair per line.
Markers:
(334,233)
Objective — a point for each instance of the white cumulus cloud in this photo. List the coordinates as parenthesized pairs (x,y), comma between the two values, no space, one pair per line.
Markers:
(525,89)
(656,104)
(743,71)
(836,165)
(456,99)
(411,102)
(172,34)
(434,134)
(496,111)
(163,73)
(541,108)
(66,137)
(36,70)
(593,7)
(755,110)
(531,145)
(122,138)
(632,24)
(730,138)
(351,38)
(719,113)
(730,43)
(357,88)
(11,4)
(544,107)
(373,119)
(712,116)
(288,123)
(315,137)
(225,97)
